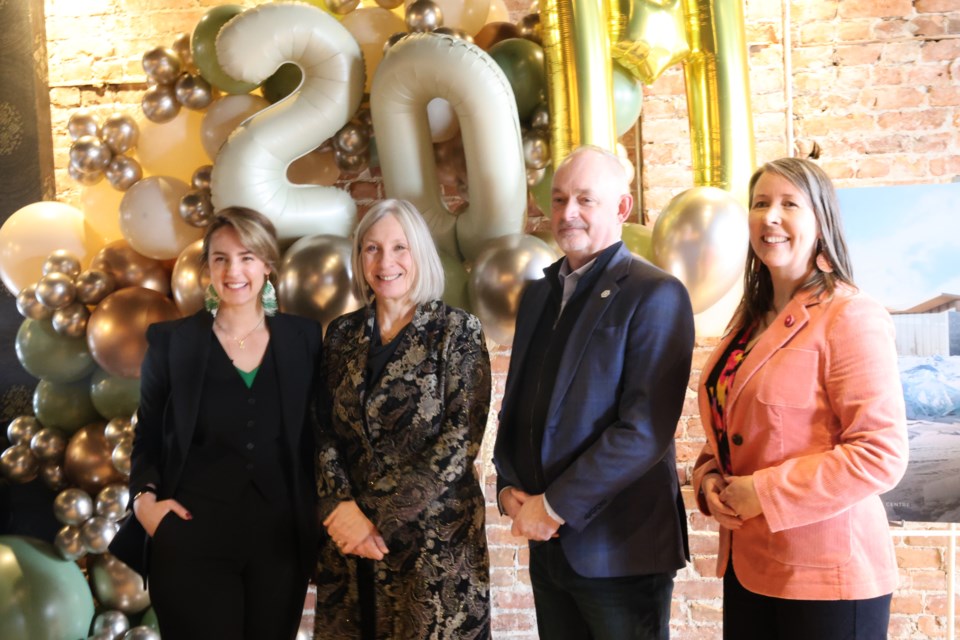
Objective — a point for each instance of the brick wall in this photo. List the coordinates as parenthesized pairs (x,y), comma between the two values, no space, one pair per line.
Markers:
(875,82)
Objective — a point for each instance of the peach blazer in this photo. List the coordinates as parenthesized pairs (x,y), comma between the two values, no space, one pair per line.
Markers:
(816,414)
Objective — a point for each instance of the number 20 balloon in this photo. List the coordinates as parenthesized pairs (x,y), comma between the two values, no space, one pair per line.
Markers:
(251,168)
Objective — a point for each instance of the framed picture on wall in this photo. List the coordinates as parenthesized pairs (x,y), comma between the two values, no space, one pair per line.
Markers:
(905,246)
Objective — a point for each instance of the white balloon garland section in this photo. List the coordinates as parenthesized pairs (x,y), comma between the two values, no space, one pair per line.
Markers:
(251,168)
(416,70)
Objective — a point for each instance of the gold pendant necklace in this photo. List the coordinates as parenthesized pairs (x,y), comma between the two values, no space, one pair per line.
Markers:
(242,339)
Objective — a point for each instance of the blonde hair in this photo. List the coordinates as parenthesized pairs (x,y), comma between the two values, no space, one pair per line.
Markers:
(428,276)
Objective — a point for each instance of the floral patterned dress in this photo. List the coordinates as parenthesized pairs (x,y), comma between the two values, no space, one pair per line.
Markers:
(404,450)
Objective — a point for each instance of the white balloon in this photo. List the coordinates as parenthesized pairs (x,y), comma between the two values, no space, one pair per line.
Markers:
(150,218)
(498,12)
(251,169)
(422,67)
(443,120)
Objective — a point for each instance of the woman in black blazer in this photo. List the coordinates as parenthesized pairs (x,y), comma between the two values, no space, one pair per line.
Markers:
(223,456)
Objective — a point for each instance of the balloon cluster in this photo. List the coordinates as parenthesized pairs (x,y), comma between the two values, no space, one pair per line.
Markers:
(174,82)
(101,149)
(114,625)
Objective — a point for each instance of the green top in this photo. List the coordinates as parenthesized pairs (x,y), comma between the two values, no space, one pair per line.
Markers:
(247,376)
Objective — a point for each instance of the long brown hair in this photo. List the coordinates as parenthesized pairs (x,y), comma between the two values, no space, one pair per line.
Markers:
(807,176)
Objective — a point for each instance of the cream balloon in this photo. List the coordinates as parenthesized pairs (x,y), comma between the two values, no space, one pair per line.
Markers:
(418,69)
(190,279)
(225,115)
(317,167)
(33,232)
(372,27)
(251,169)
(500,273)
(173,148)
(498,12)
(468,15)
(150,218)
(701,238)
(443,120)
(101,210)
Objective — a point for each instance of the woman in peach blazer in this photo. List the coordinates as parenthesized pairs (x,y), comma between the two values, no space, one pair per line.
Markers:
(804,417)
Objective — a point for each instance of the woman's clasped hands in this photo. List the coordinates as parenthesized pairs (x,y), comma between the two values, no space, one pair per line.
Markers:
(731,500)
(354,533)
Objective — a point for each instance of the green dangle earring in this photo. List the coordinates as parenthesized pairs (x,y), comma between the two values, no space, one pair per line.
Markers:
(268,298)
(211,301)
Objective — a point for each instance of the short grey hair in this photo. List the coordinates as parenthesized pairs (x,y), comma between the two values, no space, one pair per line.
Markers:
(429,278)
(612,159)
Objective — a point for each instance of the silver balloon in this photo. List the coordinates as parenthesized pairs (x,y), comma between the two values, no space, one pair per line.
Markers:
(315,278)
(142,632)
(392,40)
(459,34)
(160,104)
(181,45)
(85,178)
(18,464)
(96,534)
(540,118)
(201,177)
(48,444)
(196,208)
(93,285)
(29,306)
(341,7)
(120,132)
(56,290)
(535,177)
(424,15)
(89,154)
(193,91)
(350,163)
(701,238)
(69,544)
(123,172)
(22,429)
(83,123)
(118,429)
(112,501)
(102,636)
(352,139)
(71,320)
(162,65)
(61,261)
(53,476)
(121,456)
(73,506)
(117,586)
(112,623)
(536,148)
(502,270)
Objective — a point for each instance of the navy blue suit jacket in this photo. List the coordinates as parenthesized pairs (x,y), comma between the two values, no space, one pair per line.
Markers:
(608,444)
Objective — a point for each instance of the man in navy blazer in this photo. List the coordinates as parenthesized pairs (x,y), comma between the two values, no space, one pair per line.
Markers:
(585,451)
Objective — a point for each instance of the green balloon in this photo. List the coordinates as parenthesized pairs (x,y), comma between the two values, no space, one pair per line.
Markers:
(522,62)
(203,44)
(455,282)
(47,355)
(639,239)
(149,619)
(542,192)
(113,396)
(282,83)
(64,405)
(42,596)
(627,99)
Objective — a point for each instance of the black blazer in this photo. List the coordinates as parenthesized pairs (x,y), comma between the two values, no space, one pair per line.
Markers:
(171,379)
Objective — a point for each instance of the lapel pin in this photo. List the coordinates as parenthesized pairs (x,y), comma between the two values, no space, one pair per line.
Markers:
(605,293)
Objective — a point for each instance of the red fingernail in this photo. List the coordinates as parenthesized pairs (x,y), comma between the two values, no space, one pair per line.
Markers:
(189,516)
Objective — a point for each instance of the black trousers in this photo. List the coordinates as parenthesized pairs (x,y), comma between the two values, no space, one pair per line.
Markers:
(750,616)
(233,571)
(572,607)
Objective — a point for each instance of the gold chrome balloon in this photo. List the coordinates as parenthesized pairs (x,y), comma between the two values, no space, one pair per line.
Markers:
(196,208)
(87,460)
(69,544)
(424,15)
(316,278)
(117,429)
(120,132)
(18,464)
(48,445)
(116,331)
(121,456)
(652,37)
(190,279)
(162,65)
(53,476)
(112,501)
(117,586)
(193,91)
(22,429)
(130,269)
(701,238)
(536,149)
(73,506)
(89,154)
(56,290)
(159,103)
(71,320)
(29,306)
(123,172)
(96,534)
(83,122)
